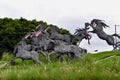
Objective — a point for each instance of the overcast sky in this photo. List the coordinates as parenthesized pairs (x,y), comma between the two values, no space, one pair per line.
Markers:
(68,14)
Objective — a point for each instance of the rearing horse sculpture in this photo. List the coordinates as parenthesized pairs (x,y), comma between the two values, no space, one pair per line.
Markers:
(98,26)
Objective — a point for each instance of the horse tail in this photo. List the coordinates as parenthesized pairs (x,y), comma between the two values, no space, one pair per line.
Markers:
(116,35)
(7,63)
(3,65)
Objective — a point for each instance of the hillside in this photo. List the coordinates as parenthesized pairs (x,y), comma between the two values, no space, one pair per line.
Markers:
(82,69)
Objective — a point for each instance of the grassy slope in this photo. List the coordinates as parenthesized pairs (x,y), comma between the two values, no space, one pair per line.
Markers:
(82,69)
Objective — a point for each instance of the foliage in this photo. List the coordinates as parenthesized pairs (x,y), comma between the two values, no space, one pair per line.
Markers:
(82,69)
(105,53)
(64,31)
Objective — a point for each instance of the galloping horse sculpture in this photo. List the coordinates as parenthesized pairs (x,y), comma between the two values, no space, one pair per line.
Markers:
(98,26)
(81,34)
(61,48)
(57,36)
(25,55)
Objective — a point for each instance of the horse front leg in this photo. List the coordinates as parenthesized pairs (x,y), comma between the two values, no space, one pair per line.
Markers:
(49,55)
(72,57)
(36,60)
(43,53)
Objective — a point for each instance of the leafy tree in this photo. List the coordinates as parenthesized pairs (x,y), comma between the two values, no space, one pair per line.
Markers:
(64,31)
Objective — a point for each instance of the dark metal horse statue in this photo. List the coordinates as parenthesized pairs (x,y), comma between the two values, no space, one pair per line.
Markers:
(98,26)
(23,44)
(25,55)
(57,36)
(61,48)
(24,49)
(81,34)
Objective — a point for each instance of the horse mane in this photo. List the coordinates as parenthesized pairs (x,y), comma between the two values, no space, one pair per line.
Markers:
(40,26)
(99,21)
(80,30)
(104,25)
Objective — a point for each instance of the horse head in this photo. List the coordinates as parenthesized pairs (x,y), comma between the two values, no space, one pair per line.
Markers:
(81,34)
(87,35)
(52,29)
(29,34)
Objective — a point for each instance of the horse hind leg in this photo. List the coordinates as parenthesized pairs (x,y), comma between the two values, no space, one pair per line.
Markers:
(63,57)
(114,47)
(35,59)
(117,46)
(60,56)
(71,57)
(110,40)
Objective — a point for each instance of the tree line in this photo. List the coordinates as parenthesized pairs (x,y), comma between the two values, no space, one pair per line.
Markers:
(12,30)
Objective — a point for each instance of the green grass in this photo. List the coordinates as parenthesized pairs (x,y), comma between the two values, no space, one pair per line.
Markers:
(82,69)
(105,53)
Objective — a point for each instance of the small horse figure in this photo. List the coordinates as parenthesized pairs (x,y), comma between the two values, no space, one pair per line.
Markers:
(25,55)
(61,49)
(55,35)
(40,41)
